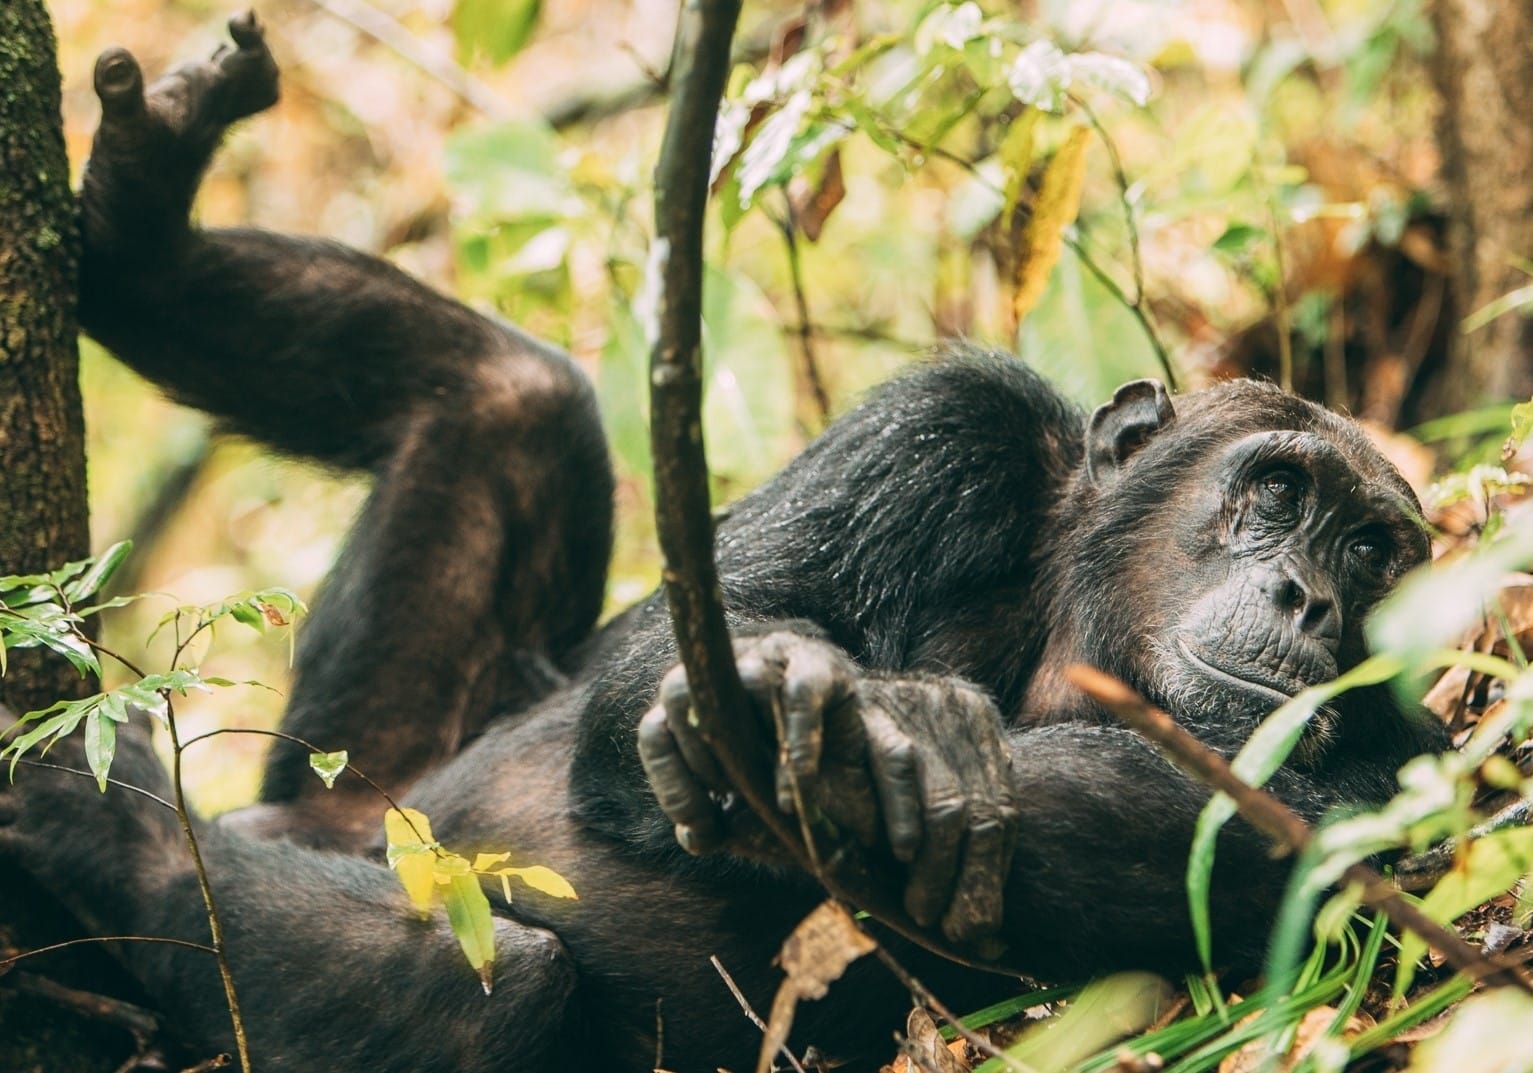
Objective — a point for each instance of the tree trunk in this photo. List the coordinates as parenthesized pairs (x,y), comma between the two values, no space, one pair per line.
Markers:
(1484,74)
(43,519)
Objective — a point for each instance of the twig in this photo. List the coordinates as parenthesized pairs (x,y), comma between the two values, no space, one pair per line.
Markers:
(215,923)
(386,30)
(919,992)
(207,1065)
(750,1013)
(1136,260)
(51,947)
(1424,869)
(128,786)
(682,517)
(1275,819)
(788,225)
(1135,310)
(284,736)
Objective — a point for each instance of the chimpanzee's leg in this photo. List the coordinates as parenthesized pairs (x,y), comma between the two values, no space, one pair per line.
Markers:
(333,968)
(480,558)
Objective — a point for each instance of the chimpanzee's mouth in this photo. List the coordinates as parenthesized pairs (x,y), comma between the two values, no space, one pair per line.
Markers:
(1269,687)
(1322,722)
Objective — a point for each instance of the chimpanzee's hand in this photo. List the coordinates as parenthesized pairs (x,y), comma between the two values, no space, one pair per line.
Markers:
(919,765)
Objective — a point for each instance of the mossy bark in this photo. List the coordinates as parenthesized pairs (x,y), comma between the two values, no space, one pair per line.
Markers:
(43,519)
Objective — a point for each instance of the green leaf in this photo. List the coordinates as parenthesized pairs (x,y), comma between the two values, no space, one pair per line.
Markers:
(1521,298)
(468,913)
(100,571)
(1488,867)
(747,389)
(876,129)
(763,156)
(1433,606)
(622,387)
(48,625)
(100,744)
(12,582)
(509,171)
(56,721)
(328,766)
(495,29)
(1239,238)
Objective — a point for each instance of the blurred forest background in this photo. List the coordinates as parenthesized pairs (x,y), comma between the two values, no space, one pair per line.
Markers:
(1239,165)
(1335,194)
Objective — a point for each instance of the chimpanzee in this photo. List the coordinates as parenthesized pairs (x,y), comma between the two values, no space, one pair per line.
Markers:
(906,593)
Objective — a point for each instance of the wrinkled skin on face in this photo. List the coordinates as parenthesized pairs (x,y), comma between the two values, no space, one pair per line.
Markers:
(1244,537)
(1286,552)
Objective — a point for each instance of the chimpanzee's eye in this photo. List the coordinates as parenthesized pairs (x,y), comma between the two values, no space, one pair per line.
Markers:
(1279,493)
(1373,551)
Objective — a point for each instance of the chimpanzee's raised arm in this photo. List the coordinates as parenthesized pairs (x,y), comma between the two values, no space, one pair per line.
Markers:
(480,559)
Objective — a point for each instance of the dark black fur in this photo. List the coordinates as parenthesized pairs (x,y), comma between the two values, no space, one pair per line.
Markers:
(949,528)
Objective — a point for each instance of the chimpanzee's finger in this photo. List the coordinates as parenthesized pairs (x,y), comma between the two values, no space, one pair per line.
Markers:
(944,818)
(893,760)
(975,910)
(682,797)
(676,700)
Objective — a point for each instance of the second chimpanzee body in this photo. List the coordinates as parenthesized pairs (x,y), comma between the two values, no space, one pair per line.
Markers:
(907,593)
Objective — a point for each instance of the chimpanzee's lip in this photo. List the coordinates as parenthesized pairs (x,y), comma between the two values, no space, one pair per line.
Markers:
(1268,688)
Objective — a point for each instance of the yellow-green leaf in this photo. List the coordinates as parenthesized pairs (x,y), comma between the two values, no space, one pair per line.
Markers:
(449,866)
(1059,199)
(328,766)
(483,862)
(468,912)
(417,874)
(407,827)
(546,880)
(410,855)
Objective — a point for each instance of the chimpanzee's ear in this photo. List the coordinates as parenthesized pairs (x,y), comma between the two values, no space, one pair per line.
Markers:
(1138,410)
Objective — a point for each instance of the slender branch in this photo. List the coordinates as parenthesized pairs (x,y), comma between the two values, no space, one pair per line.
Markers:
(1276,820)
(283,736)
(128,786)
(919,992)
(385,29)
(51,947)
(682,515)
(1134,308)
(750,1013)
(1422,870)
(1137,305)
(682,503)
(215,923)
(788,225)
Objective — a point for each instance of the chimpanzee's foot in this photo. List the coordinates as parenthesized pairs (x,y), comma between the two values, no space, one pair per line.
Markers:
(152,145)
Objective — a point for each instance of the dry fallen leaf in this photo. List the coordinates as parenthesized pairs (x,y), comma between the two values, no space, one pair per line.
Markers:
(926,1050)
(814,956)
(1257,1055)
